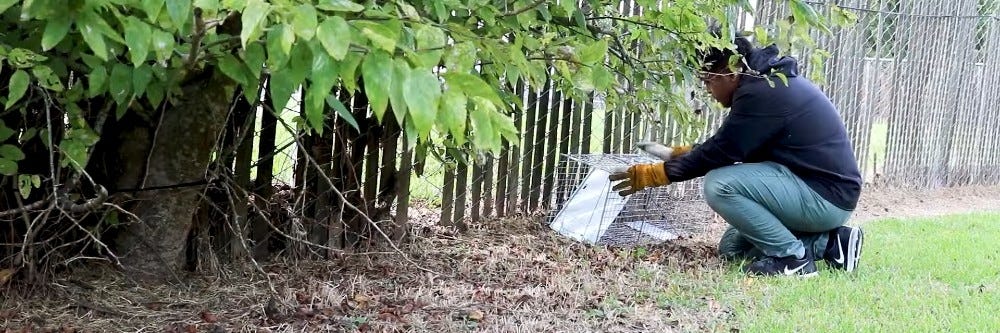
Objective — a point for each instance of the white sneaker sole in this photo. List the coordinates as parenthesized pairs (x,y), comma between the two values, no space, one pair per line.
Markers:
(853,249)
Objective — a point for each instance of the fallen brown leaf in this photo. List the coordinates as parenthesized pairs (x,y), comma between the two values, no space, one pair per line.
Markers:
(155,306)
(209,317)
(388,316)
(362,300)
(6,274)
(476,315)
(301,297)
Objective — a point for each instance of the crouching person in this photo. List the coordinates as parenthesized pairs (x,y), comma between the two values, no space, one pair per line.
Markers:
(780,170)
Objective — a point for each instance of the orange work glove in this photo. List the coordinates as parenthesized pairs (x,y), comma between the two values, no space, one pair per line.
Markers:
(639,177)
(663,152)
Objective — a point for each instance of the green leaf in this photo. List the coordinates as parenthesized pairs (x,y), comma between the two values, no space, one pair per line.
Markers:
(301,62)
(324,71)
(233,68)
(505,127)
(120,84)
(277,57)
(430,40)
(304,23)
(440,11)
(152,8)
(282,85)
(315,98)
(138,37)
(339,6)
(11,152)
(141,77)
(5,4)
(453,114)
(410,136)
(8,167)
(473,86)
(483,135)
(155,93)
(341,109)
(253,56)
(287,39)
(18,87)
(804,12)
(47,78)
(97,79)
(594,53)
(408,11)
(784,79)
(24,185)
(163,45)
(379,34)
(583,79)
(335,36)
(5,132)
(348,71)
(55,31)
(36,181)
(73,151)
(252,18)
(377,72)
(207,5)
(602,78)
(179,11)
(87,25)
(422,92)
(461,57)
(401,72)
(22,58)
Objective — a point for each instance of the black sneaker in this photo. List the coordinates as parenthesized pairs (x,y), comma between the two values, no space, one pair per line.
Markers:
(843,250)
(786,266)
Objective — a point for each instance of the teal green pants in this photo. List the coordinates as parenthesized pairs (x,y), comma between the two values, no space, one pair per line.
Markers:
(770,210)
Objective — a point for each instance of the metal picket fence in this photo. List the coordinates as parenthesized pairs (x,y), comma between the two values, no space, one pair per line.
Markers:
(917,83)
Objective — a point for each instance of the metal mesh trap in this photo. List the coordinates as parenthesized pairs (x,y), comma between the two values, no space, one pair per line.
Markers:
(586,209)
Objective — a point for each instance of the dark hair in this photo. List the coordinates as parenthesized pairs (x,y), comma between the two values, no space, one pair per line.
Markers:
(715,59)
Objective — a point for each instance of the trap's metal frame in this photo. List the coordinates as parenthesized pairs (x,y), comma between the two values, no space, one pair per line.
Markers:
(585,208)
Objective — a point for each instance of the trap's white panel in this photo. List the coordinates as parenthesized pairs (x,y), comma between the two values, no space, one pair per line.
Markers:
(653,231)
(590,210)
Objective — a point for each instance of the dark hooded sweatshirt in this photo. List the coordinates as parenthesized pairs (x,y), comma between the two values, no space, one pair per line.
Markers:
(794,125)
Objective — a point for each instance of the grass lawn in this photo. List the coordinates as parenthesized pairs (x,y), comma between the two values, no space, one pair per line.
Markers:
(940,275)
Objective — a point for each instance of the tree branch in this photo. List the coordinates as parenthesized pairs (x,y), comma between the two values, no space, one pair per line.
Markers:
(199,33)
(33,206)
(648,25)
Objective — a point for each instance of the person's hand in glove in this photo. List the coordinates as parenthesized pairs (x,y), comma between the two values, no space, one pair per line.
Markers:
(639,177)
(663,152)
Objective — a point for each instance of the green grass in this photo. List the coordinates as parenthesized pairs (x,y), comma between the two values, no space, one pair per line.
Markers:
(926,275)
(877,147)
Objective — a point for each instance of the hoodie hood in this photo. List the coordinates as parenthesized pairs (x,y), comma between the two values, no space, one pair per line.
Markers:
(766,61)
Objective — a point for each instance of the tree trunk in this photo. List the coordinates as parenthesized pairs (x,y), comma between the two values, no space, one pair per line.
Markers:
(169,157)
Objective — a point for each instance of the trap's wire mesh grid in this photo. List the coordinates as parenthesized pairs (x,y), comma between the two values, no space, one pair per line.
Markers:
(651,216)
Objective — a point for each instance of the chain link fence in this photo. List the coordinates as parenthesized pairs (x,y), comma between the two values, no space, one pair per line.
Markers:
(917,83)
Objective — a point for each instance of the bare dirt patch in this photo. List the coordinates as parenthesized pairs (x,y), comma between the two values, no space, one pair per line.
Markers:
(506,275)
(905,203)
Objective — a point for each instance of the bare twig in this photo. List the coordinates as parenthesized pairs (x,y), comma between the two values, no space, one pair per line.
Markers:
(199,33)
(91,236)
(645,24)
(342,198)
(23,209)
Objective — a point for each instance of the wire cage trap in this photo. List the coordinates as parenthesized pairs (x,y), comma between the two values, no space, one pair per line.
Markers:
(585,207)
